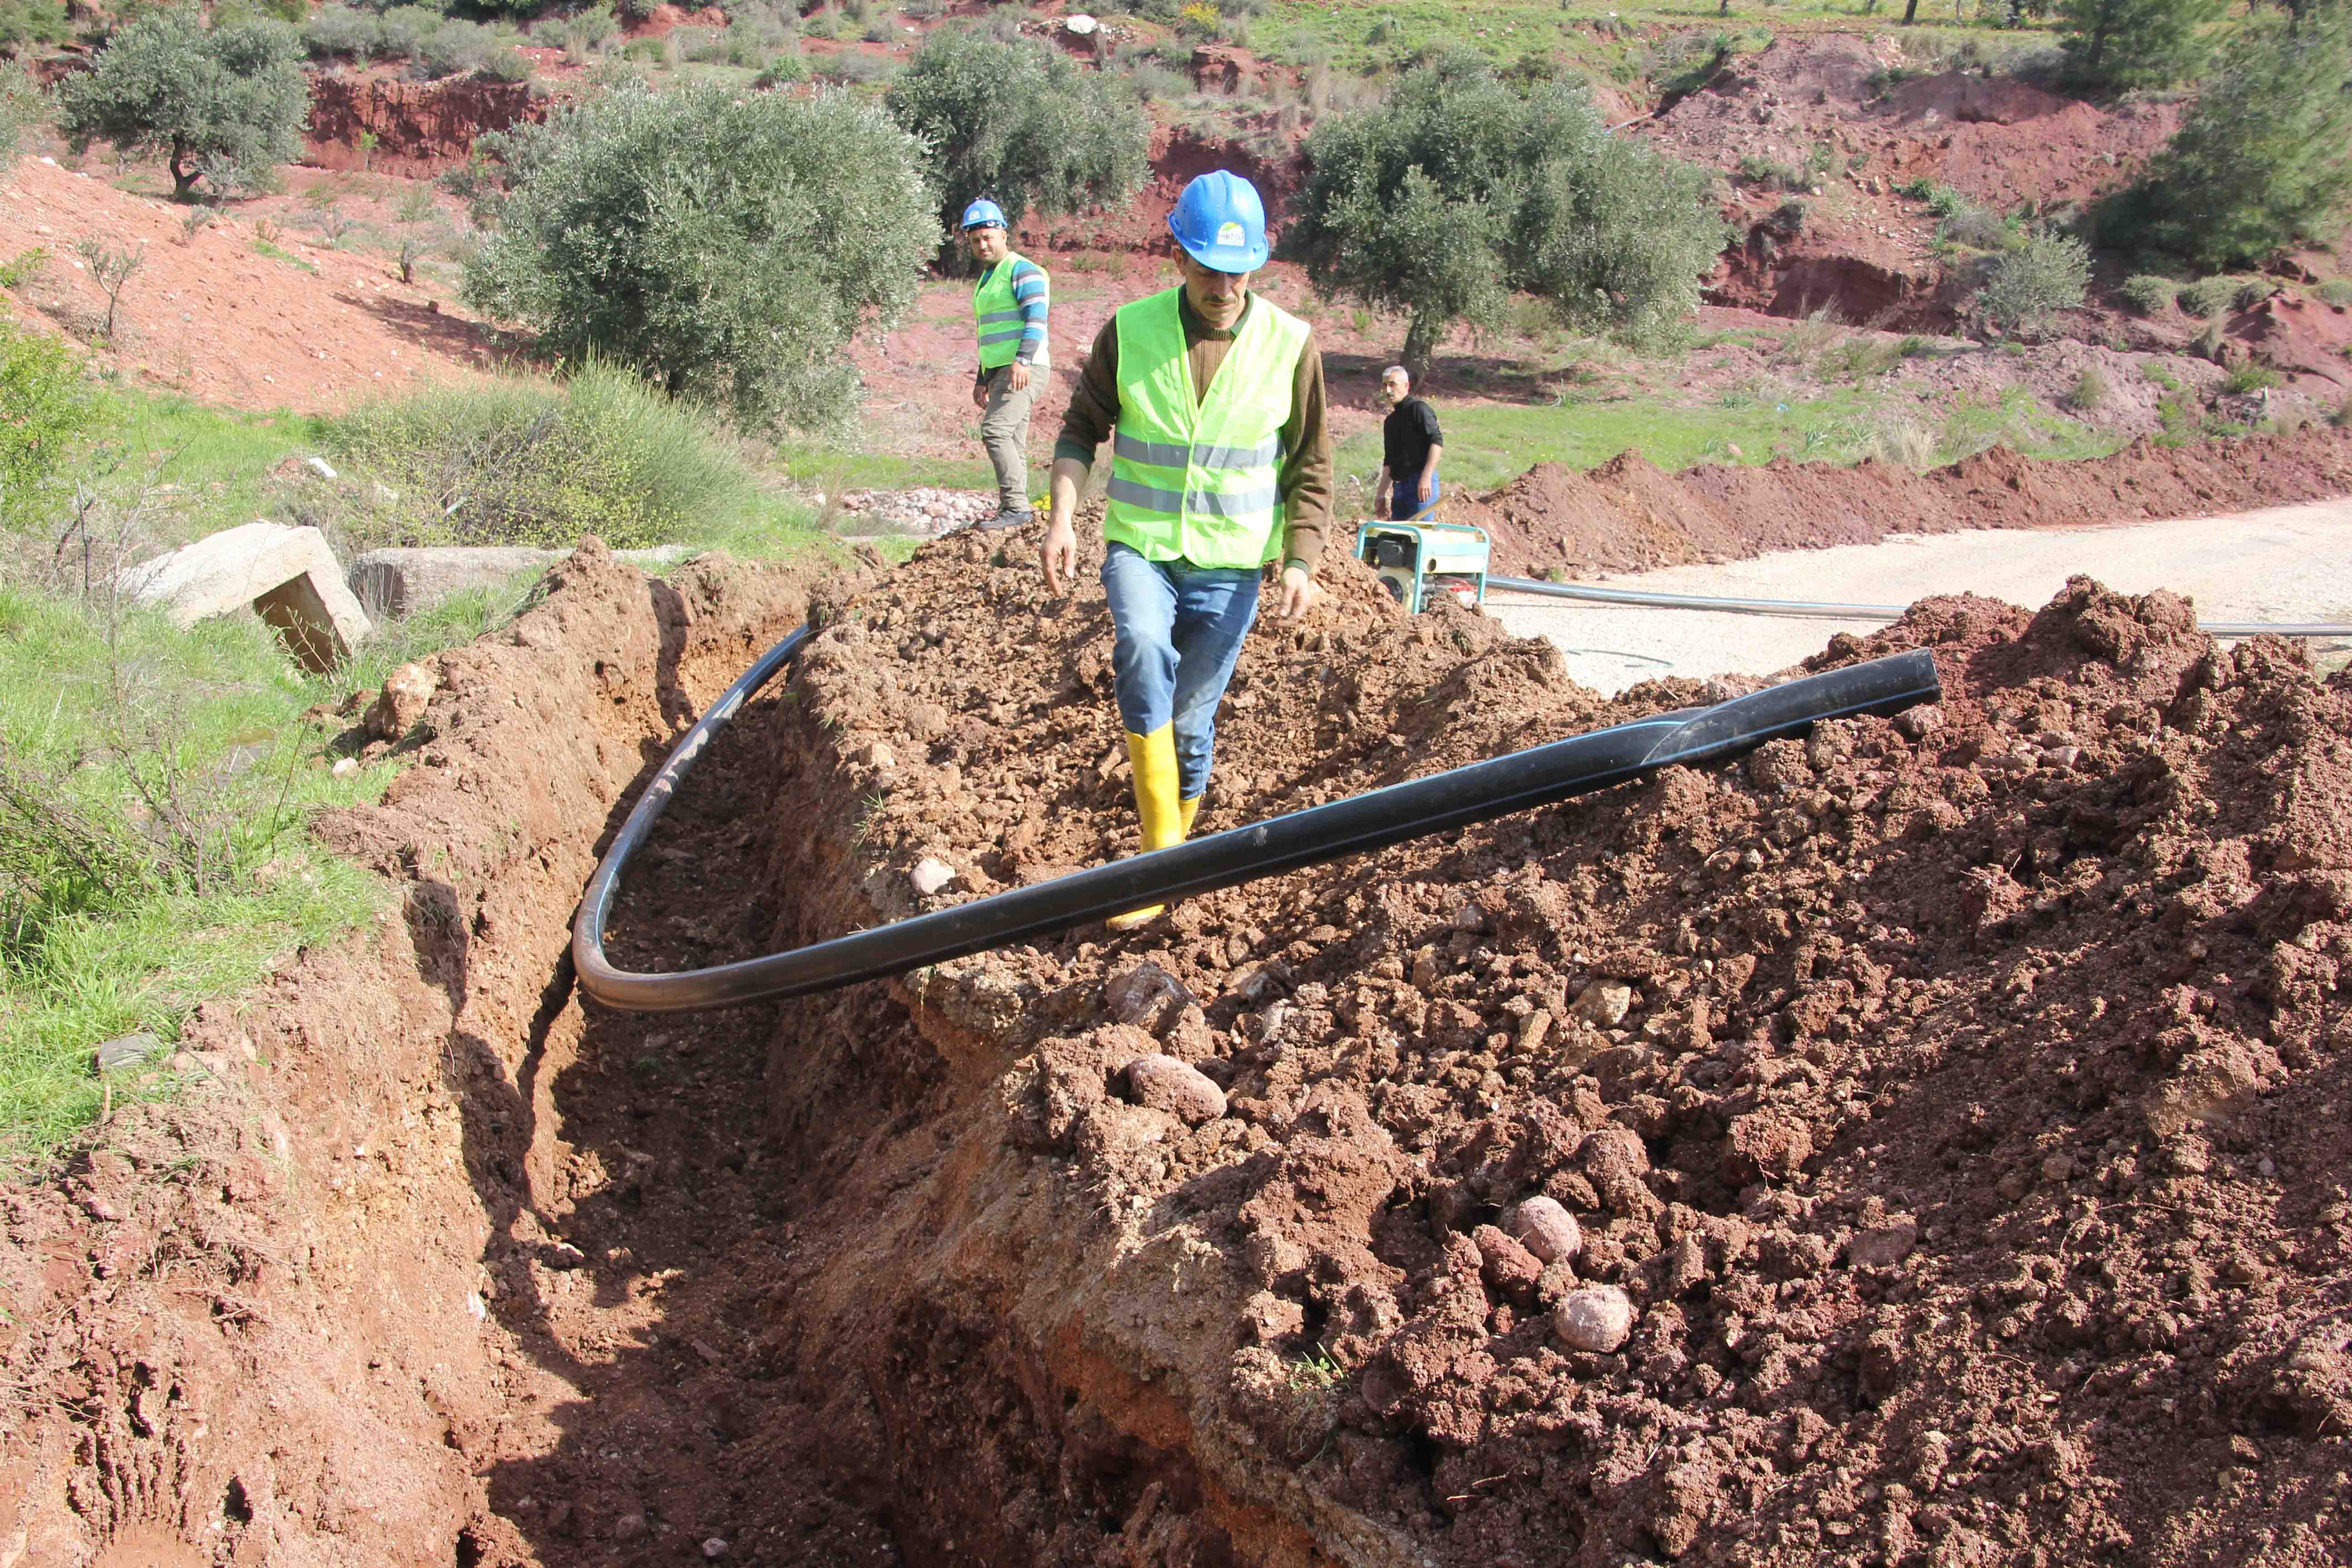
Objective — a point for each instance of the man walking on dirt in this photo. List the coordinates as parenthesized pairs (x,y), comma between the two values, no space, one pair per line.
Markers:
(1008,307)
(1213,400)
(1411,444)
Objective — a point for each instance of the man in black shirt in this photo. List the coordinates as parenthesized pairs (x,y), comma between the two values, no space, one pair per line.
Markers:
(1410,446)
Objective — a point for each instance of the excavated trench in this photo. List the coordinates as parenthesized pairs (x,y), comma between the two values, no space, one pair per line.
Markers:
(1938,1095)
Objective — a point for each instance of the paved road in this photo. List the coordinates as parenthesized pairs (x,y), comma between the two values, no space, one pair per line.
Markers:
(2285,563)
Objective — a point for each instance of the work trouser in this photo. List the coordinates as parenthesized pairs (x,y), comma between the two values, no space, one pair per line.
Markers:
(1004,431)
(1180,628)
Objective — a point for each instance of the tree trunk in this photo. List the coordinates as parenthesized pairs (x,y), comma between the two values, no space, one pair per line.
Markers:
(1910,11)
(184,178)
(1420,344)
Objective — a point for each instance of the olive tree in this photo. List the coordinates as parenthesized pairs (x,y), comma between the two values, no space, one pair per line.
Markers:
(1021,123)
(221,104)
(726,245)
(1456,191)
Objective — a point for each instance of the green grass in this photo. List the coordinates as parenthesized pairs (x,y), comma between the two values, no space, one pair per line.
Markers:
(216,460)
(218,709)
(1488,445)
(278,253)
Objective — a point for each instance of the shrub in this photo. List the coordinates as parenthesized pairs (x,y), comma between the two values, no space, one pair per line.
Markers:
(1155,83)
(35,22)
(1978,228)
(2148,293)
(1772,174)
(726,246)
(1456,191)
(1021,123)
(851,69)
(785,70)
(504,62)
(2049,273)
(455,47)
(221,104)
(2336,292)
(2091,391)
(44,410)
(2208,297)
(2249,377)
(523,462)
(2264,159)
(2252,292)
(340,30)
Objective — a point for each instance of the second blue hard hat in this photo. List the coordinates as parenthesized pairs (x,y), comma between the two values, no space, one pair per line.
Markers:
(982,213)
(1220,220)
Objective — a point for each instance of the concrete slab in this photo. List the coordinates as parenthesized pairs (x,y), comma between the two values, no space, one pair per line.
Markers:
(287,576)
(402,581)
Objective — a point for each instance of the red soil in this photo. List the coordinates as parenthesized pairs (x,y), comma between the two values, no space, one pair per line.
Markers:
(209,315)
(1626,515)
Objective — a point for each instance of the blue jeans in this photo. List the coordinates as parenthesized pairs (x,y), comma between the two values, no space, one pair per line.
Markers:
(1400,504)
(1179,630)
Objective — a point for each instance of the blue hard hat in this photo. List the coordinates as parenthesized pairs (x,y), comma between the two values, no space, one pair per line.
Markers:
(1219,221)
(982,213)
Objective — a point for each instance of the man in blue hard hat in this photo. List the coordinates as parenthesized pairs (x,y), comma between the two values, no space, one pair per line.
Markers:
(1008,307)
(1212,398)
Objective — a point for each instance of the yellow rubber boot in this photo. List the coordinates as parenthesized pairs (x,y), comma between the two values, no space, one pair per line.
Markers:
(1187,813)
(1153,758)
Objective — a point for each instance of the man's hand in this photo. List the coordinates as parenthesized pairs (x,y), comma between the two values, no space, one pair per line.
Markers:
(979,391)
(1300,594)
(1020,376)
(1058,556)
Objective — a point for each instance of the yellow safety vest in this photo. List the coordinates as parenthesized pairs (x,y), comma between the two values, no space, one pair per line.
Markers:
(1196,477)
(996,314)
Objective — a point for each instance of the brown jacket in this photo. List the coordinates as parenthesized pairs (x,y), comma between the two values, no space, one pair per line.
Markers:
(1306,481)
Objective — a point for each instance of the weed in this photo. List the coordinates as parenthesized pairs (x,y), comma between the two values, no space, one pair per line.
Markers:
(2161,377)
(1315,1370)
(1906,442)
(2148,293)
(2249,377)
(2090,391)
(2337,291)
(1772,174)
(1810,335)
(2208,297)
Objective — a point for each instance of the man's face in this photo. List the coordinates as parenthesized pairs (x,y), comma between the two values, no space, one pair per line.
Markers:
(1395,388)
(987,244)
(1217,298)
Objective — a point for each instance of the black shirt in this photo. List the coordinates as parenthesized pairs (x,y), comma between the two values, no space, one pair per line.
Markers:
(1407,436)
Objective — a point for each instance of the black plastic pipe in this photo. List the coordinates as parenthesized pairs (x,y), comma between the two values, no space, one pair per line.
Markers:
(1533,777)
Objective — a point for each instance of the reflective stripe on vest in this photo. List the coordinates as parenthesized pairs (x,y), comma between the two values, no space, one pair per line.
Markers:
(996,314)
(1192,477)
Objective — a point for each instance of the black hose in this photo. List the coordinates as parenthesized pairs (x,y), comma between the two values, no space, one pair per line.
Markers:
(1535,776)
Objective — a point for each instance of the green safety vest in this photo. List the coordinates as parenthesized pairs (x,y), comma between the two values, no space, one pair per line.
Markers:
(1192,477)
(996,314)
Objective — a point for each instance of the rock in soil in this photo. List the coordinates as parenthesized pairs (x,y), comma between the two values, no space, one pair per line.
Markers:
(1598,1320)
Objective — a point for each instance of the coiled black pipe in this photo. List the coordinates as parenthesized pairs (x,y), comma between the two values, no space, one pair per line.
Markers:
(1535,776)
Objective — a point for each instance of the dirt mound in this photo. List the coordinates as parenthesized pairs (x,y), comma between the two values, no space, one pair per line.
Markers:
(315,1310)
(1936,1099)
(2310,340)
(1627,516)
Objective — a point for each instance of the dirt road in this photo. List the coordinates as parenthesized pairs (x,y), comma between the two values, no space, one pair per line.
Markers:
(2283,564)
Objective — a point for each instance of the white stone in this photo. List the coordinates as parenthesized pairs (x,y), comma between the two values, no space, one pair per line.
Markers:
(1598,1319)
(930,874)
(287,575)
(1080,26)
(1547,1230)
